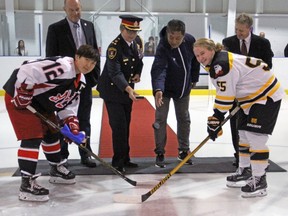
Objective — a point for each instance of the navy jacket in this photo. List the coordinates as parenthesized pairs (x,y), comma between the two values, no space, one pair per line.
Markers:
(174,70)
(259,48)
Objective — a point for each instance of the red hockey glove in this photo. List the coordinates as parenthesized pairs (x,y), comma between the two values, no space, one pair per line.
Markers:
(73,123)
(214,127)
(23,98)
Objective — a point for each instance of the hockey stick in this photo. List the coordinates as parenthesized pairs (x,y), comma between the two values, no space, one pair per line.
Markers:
(132,199)
(78,139)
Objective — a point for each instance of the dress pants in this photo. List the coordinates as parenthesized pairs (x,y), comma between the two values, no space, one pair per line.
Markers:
(119,120)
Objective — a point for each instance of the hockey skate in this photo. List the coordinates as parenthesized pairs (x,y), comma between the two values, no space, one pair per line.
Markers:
(239,178)
(31,191)
(59,174)
(255,187)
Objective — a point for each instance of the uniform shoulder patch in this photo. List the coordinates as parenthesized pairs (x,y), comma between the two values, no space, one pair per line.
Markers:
(112,51)
(220,67)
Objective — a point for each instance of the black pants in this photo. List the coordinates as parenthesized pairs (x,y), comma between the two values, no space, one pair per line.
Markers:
(234,131)
(84,114)
(119,120)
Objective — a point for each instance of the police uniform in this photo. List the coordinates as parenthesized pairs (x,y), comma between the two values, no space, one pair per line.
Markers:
(123,62)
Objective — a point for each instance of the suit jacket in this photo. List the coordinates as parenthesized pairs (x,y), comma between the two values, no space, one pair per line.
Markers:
(286,51)
(60,42)
(259,47)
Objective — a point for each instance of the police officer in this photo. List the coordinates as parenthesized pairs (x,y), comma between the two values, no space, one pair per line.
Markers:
(122,70)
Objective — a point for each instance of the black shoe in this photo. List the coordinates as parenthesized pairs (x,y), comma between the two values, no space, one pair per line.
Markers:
(160,161)
(88,162)
(120,169)
(130,164)
(182,155)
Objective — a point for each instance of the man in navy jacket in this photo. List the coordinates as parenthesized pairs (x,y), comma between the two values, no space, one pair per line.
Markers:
(175,71)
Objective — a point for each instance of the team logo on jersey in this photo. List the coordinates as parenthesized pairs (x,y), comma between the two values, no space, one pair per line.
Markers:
(218,70)
(61,100)
(112,51)
(254,120)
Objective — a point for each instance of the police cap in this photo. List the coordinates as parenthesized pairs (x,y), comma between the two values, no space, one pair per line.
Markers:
(131,22)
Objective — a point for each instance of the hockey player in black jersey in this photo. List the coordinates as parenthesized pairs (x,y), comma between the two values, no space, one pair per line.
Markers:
(52,86)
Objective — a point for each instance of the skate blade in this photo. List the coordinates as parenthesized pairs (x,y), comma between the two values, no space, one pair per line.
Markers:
(258,193)
(235,184)
(34,198)
(59,180)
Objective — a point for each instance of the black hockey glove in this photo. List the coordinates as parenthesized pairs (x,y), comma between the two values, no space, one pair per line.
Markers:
(214,128)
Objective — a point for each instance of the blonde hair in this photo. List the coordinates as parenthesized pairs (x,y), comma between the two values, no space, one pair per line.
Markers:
(208,44)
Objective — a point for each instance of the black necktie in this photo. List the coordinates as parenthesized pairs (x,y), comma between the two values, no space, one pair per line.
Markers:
(243,48)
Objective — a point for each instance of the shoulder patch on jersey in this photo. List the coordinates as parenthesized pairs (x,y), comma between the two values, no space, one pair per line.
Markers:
(220,67)
(112,51)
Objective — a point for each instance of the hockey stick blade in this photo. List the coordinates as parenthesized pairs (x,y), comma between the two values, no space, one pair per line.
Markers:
(77,139)
(130,181)
(140,199)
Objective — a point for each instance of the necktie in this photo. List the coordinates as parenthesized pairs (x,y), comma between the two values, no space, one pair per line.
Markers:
(77,35)
(243,48)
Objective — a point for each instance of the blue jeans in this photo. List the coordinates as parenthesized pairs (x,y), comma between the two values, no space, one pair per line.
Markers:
(183,124)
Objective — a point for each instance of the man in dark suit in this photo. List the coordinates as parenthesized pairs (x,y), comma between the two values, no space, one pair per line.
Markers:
(122,70)
(249,44)
(286,51)
(63,39)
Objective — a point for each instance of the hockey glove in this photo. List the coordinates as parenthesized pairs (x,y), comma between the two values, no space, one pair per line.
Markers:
(73,123)
(23,97)
(214,128)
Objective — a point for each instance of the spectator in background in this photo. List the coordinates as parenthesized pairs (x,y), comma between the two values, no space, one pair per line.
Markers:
(63,39)
(174,72)
(149,49)
(20,49)
(262,34)
(249,44)
(286,51)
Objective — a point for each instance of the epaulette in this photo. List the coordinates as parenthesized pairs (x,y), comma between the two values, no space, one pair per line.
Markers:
(115,41)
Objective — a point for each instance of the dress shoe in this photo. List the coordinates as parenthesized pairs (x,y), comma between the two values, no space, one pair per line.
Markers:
(88,162)
(130,164)
(120,169)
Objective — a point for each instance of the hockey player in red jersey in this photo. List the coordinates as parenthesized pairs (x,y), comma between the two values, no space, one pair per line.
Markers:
(52,86)
(259,93)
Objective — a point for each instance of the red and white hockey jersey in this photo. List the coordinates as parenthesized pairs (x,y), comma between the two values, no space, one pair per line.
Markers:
(56,85)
